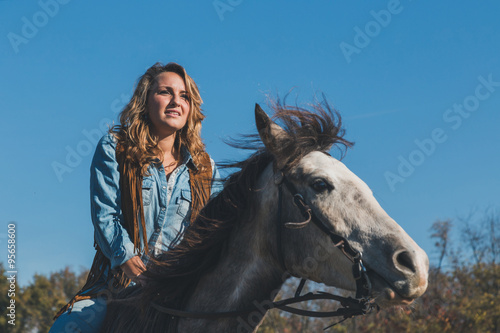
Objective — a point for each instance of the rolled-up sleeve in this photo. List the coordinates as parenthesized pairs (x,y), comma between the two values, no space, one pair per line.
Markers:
(105,201)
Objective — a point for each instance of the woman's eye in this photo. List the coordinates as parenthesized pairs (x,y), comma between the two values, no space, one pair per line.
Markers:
(185,96)
(320,185)
(164,92)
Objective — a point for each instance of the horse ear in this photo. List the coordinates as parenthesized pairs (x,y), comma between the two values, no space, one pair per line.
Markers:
(270,133)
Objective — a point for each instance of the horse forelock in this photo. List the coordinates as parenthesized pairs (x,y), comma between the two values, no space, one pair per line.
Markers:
(315,129)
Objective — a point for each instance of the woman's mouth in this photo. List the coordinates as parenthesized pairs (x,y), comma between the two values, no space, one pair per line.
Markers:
(172,113)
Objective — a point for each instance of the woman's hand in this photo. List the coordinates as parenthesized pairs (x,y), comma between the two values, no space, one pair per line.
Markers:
(133,268)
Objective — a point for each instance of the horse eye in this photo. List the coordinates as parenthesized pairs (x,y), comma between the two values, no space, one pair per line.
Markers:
(320,185)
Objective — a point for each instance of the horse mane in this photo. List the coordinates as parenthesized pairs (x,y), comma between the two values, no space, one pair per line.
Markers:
(317,129)
(173,276)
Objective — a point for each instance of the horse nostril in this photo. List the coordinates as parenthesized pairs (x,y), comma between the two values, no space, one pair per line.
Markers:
(406,260)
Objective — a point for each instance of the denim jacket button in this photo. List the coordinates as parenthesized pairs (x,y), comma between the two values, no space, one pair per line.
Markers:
(162,208)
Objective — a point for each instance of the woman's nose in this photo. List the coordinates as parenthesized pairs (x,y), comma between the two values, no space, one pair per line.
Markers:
(175,100)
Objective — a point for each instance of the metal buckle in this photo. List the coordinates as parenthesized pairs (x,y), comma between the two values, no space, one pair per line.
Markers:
(298,200)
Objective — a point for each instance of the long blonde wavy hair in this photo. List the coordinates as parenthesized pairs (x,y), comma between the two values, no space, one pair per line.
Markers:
(134,131)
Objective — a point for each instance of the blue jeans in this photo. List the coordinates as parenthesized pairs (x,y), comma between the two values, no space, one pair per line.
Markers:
(86,316)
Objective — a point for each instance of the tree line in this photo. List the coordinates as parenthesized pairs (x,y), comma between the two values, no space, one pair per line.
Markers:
(37,303)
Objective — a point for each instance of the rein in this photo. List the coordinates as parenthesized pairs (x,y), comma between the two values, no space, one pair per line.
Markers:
(350,306)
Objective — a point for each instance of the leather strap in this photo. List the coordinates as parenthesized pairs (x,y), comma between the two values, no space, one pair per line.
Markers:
(351,307)
(363,284)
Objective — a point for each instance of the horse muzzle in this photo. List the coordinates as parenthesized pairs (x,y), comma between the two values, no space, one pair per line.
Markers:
(406,281)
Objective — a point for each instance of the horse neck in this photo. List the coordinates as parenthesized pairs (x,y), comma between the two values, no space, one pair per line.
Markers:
(246,277)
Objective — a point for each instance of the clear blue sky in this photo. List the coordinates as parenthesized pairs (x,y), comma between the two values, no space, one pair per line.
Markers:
(400,80)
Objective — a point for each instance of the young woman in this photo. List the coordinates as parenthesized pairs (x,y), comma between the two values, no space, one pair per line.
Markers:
(150,176)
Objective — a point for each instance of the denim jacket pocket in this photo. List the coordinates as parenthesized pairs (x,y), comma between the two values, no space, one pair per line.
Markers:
(147,189)
(184,203)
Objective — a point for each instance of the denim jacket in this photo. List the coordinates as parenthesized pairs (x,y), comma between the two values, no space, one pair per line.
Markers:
(167,204)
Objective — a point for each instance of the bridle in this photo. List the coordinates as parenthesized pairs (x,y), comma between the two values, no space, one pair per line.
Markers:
(363,284)
(350,306)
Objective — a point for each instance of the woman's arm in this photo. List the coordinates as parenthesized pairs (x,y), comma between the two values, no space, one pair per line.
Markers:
(105,201)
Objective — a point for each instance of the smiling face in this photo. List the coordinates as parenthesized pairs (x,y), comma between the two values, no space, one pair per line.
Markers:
(168,104)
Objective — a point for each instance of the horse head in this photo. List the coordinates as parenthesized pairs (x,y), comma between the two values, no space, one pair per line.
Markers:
(340,204)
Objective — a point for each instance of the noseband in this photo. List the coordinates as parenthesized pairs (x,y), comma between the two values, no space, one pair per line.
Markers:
(363,284)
